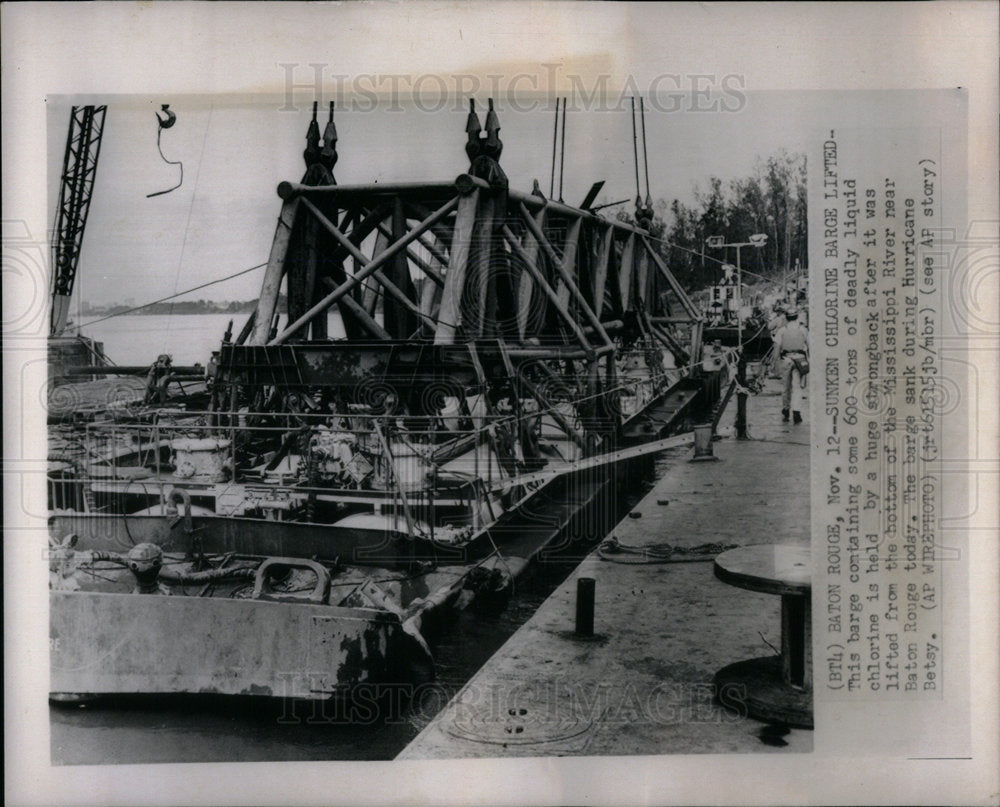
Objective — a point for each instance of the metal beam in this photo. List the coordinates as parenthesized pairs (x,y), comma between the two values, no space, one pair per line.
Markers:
(674,285)
(449,315)
(625,268)
(611,326)
(288,190)
(442,233)
(524,291)
(387,284)
(368,269)
(397,272)
(421,264)
(83,148)
(352,305)
(464,182)
(369,291)
(567,266)
(680,354)
(480,267)
(697,332)
(549,291)
(551,411)
(601,270)
(361,230)
(420,212)
(564,273)
(642,277)
(268,301)
(596,461)
(430,298)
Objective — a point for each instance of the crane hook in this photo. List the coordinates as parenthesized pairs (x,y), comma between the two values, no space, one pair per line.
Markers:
(169,119)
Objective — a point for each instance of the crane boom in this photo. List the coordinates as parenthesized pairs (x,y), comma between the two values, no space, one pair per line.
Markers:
(83,147)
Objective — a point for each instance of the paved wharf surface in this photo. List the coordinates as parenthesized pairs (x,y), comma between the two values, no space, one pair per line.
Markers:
(643,683)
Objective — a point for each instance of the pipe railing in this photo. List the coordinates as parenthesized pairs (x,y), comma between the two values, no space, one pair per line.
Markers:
(426,436)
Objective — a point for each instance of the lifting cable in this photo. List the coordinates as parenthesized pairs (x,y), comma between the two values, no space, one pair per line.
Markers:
(645,157)
(562,151)
(635,156)
(165,123)
(555,137)
(559,150)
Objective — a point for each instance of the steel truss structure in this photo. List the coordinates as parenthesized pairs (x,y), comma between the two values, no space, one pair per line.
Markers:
(83,147)
(477,283)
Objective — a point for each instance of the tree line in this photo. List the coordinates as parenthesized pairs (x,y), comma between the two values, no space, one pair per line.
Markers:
(772,201)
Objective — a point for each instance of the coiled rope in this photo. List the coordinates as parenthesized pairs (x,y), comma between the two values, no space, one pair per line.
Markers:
(611,549)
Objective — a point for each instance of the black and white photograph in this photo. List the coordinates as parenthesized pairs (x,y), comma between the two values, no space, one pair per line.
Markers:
(480,405)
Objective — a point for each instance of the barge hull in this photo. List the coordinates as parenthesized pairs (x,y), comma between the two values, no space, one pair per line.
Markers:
(118,643)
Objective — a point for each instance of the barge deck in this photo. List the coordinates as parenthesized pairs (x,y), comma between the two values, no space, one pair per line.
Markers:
(643,683)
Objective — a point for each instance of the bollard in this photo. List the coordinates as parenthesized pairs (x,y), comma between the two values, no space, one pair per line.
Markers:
(703,444)
(741,399)
(585,606)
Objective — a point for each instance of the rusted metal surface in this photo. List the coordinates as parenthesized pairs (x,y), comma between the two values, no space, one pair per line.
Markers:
(244,536)
(289,190)
(347,364)
(341,364)
(123,643)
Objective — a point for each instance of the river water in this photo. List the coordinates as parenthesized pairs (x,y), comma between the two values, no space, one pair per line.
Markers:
(187,338)
(150,729)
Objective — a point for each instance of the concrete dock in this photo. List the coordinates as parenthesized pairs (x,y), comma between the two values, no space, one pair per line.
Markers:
(643,683)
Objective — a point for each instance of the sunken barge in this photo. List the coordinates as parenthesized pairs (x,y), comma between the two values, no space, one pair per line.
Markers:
(503,355)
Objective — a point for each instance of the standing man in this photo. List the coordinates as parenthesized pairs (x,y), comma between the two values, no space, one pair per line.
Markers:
(791,346)
(160,374)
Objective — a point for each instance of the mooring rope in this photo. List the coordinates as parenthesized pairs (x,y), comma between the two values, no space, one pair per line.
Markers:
(611,549)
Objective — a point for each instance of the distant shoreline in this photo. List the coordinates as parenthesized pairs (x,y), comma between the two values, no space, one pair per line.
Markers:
(179,307)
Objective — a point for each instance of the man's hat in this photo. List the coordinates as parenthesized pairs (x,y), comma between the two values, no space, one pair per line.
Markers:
(792,314)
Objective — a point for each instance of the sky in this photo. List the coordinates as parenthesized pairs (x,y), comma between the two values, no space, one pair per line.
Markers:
(237,148)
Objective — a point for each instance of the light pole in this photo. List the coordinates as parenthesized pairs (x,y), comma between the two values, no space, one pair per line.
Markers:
(774,229)
(757,240)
